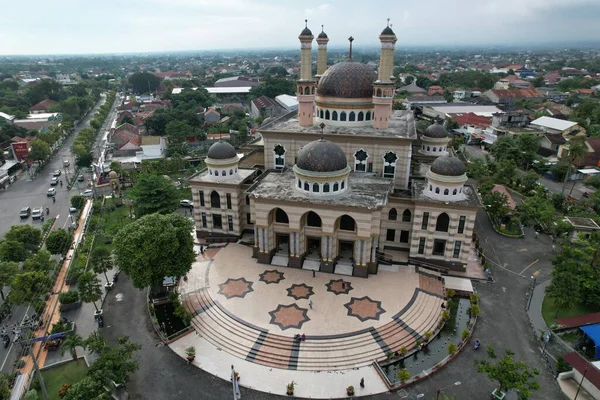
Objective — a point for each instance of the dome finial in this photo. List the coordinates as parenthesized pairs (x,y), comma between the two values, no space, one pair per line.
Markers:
(322,28)
(306,23)
(388,20)
(322,126)
(350,39)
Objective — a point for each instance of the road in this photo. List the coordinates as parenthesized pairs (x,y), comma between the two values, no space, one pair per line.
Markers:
(33,194)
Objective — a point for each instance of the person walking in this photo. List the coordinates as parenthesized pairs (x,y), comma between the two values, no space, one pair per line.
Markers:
(314,273)
(362,383)
(310,304)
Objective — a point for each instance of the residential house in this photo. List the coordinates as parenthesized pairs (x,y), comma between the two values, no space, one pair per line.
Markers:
(265,106)
(290,103)
(168,75)
(237,81)
(471,120)
(43,106)
(524,72)
(461,94)
(552,142)
(412,89)
(231,108)
(582,92)
(555,125)
(434,90)
(38,122)
(144,98)
(411,101)
(123,115)
(211,116)
(509,96)
(552,78)
(125,137)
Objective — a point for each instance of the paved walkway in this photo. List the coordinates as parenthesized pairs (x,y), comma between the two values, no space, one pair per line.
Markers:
(535,307)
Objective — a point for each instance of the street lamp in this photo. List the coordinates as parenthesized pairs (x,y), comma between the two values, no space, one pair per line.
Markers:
(437,396)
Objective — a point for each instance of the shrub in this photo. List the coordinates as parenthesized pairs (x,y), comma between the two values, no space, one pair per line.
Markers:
(474,310)
(69,297)
(450,293)
(20,364)
(403,350)
(465,334)
(428,335)
(403,375)
(31,395)
(446,315)
(62,392)
(474,297)
(61,327)
(452,348)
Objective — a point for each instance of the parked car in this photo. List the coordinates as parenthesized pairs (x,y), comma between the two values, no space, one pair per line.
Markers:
(25,212)
(56,172)
(186,203)
(80,178)
(54,181)
(87,193)
(66,163)
(37,213)
(51,192)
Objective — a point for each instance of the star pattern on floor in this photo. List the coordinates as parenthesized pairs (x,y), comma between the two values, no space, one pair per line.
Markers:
(272,276)
(239,287)
(364,308)
(301,291)
(290,316)
(339,286)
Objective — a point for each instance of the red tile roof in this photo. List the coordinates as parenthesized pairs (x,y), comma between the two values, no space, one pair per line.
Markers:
(517,93)
(579,320)
(471,119)
(592,374)
(43,105)
(509,200)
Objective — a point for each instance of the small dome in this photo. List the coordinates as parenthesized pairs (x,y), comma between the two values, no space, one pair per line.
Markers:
(436,131)
(221,151)
(321,156)
(306,32)
(322,35)
(348,79)
(387,31)
(448,166)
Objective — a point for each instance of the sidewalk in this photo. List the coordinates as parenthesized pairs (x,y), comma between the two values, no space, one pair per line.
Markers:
(535,308)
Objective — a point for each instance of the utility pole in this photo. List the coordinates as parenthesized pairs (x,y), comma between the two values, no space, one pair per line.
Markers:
(39,375)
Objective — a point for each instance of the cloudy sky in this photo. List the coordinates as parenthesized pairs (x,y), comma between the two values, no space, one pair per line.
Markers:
(111,26)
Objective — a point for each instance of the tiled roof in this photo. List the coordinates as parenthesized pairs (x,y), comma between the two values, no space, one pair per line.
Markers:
(471,119)
(43,105)
(556,138)
(264,102)
(517,93)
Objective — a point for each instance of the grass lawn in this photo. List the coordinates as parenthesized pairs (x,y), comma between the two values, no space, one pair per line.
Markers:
(549,311)
(70,372)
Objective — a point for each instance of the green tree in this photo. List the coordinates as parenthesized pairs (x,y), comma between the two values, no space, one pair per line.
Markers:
(12,251)
(8,270)
(39,261)
(84,160)
(58,241)
(77,202)
(273,87)
(89,387)
(116,166)
(90,289)
(154,194)
(30,236)
(95,123)
(153,247)
(529,180)
(95,343)
(176,132)
(536,209)
(573,154)
(510,374)
(116,363)
(4,386)
(127,120)
(39,150)
(29,286)
(496,204)
(408,80)
(71,343)
(564,290)
(102,261)
(144,82)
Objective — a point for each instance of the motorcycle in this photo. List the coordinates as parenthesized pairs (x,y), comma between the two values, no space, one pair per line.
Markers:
(47,211)
(476,344)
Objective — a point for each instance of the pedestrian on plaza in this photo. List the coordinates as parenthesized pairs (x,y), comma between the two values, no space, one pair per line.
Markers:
(314,273)
(201,249)
(343,285)
(362,383)
(310,304)
(553,248)
(537,234)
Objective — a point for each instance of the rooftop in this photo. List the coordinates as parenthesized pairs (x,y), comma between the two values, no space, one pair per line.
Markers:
(204,177)
(471,198)
(581,222)
(464,108)
(219,90)
(553,123)
(401,125)
(364,191)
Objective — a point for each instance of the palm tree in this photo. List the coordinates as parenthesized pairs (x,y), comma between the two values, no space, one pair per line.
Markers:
(89,288)
(72,342)
(102,261)
(573,153)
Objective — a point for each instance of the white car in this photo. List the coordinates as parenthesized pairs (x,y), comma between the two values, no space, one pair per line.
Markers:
(56,173)
(37,213)
(54,181)
(186,203)
(51,192)
(87,193)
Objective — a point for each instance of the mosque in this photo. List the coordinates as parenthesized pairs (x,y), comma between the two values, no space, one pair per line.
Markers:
(344,183)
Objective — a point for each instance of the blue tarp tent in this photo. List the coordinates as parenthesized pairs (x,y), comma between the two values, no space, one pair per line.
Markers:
(593,332)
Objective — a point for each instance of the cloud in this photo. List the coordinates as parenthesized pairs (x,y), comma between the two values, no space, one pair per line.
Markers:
(321,9)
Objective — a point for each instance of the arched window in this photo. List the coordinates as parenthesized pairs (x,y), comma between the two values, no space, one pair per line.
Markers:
(306,186)
(428,148)
(215,199)
(393,214)
(406,215)
(352,116)
(315,187)
(434,149)
(430,188)
(299,184)
(360,161)
(347,223)
(437,190)
(389,164)
(343,184)
(368,116)
(216,173)
(446,192)
(343,116)
(326,188)
(223,173)
(334,116)
(230,172)
(378,93)
(443,220)
(454,192)
(361,116)
(307,90)
(326,114)
(321,113)
(279,156)
(313,219)
(210,171)
(336,187)
(281,216)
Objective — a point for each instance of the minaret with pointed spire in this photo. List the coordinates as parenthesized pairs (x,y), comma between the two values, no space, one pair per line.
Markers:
(384,87)
(322,41)
(306,85)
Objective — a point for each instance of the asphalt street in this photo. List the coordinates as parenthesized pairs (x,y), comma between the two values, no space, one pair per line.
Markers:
(32,193)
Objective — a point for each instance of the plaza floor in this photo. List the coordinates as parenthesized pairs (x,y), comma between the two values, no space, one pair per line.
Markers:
(247,314)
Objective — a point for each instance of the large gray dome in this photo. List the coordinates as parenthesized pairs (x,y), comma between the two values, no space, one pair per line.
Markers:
(448,166)
(349,79)
(221,151)
(321,156)
(436,131)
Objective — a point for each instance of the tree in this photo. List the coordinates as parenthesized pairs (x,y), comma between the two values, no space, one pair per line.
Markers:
(95,123)
(71,343)
(127,120)
(30,236)
(8,270)
(12,251)
(573,154)
(510,374)
(564,290)
(39,150)
(153,247)
(95,343)
(58,241)
(29,286)
(116,363)
(102,261)
(116,166)
(273,87)
(176,132)
(529,180)
(409,79)
(536,209)
(154,194)
(90,289)
(144,82)
(88,388)
(84,160)
(423,82)
(4,386)
(77,202)
(496,204)
(39,261)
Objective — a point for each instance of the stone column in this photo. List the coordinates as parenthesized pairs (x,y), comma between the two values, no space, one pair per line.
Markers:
(324,247)
(357,251)
(374,244)
(292,243)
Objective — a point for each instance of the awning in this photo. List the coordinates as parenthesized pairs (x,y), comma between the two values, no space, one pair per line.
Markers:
(588,171)
(458,284)
(593,332)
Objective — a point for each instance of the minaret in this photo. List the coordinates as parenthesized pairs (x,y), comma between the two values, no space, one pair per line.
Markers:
(384,87)
(322,40)
(306,85)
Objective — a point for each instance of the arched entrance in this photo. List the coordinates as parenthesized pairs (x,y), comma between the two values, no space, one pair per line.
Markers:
(279,225)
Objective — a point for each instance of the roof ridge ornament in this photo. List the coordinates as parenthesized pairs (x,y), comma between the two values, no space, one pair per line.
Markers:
(350,39)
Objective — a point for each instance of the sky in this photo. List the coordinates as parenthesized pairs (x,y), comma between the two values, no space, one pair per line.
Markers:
(111,26)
